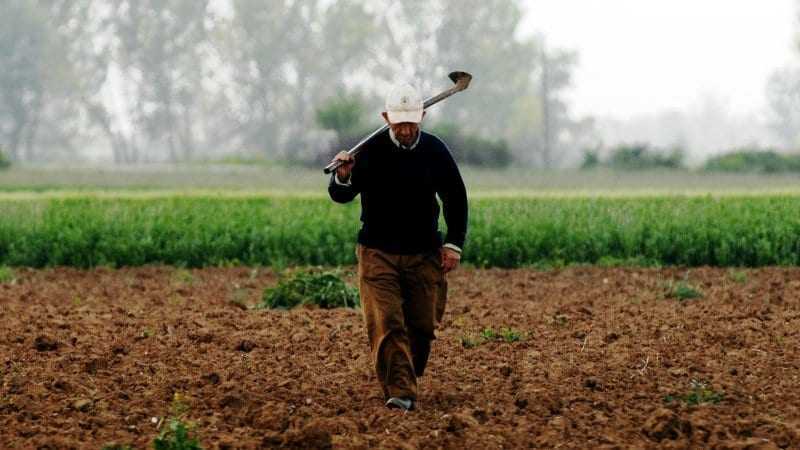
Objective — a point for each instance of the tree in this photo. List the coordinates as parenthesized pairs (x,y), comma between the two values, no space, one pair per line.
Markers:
(138,69)
(556,76)
(344,115)
(286,57)
(783,98)
(512,79)
(480,37)
(25,48)
(4,162)
(165,79)
(158,55)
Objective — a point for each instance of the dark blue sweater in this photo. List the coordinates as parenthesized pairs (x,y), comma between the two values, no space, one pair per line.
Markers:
(398,187)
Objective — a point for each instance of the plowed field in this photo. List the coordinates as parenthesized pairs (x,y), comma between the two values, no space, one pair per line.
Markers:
(604,359)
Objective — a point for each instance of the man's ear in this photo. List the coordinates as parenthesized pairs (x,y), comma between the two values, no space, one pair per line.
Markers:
(386,117)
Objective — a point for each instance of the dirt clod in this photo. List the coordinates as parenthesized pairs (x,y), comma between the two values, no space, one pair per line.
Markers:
(246,346)
(592,383)
(457,423)
(211,378)
(82,404)
(664,424)
(45,344)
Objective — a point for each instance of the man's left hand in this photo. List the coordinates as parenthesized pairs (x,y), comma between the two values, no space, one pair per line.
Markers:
(450,258)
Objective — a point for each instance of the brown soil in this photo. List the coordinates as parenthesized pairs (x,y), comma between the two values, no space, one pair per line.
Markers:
(89,358)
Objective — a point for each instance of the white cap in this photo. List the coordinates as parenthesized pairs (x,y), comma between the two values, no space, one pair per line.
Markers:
(404,104)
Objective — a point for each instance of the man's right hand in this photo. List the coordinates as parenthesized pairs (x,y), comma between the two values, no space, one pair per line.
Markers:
(343,171)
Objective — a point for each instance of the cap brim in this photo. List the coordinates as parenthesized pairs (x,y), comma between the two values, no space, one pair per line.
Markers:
(405,116)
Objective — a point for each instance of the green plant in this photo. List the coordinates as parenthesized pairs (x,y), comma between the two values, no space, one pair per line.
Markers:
(762,160)
(7,275)
(325,289)
(640,156)
(635,261)
(504,334)
(739,276)
(510,335)
(473,149)
(177,435)
(591,159)
(699,393)
(682,290)
(488,334)
(343,114)
(275,231)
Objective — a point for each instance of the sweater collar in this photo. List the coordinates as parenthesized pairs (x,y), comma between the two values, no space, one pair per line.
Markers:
(397,143)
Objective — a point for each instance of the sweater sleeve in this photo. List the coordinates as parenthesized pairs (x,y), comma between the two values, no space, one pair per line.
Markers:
(453,193)
(343,192)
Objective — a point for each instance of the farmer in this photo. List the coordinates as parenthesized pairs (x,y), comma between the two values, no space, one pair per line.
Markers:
(402,259)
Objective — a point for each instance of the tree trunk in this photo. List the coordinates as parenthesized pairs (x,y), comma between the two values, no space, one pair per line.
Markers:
(32,129)
(546,123)
(15,138)
(185,135)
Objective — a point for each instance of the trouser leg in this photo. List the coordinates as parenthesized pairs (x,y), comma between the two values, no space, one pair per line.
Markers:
(420,351)
(382,306)
(425,290)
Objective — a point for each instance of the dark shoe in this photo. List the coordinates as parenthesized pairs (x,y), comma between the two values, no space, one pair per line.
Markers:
(406,404)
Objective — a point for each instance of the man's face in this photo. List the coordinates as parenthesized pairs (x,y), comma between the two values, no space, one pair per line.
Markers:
(405,132)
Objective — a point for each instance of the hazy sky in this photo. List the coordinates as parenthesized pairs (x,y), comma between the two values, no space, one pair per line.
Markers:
(643,56)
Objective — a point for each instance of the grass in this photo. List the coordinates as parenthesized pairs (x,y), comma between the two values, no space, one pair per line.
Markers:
(209,230)
(699,393)
(178,433)
(503,334)
(7,275)
(682,290)
(325,289)
(738,276)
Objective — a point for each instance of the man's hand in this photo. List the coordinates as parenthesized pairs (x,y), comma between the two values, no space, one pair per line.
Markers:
(450,258)
(343,171)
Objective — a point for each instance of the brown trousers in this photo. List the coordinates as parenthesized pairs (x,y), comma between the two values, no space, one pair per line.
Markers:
(403,299)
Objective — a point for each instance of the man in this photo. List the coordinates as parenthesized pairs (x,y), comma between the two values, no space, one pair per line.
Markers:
(402,259)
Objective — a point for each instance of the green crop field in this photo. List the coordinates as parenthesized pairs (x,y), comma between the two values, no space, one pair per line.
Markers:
(196,230)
